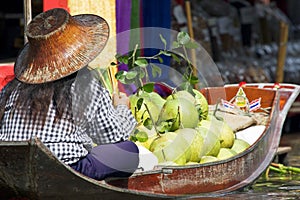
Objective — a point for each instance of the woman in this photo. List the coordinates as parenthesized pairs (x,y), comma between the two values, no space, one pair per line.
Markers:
(55,98)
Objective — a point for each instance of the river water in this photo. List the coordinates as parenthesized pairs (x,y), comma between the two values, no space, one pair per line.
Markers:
(274,186)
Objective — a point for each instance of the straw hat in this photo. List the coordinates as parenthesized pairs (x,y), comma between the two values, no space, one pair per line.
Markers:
(59,44)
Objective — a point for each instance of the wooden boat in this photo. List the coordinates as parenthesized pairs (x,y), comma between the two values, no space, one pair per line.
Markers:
(29,170)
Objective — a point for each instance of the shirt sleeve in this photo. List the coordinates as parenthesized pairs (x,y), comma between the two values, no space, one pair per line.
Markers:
(111,124)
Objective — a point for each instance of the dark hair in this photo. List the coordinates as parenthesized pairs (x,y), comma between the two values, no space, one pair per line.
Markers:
(34,99)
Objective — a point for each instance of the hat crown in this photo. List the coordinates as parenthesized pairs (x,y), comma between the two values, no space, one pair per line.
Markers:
(60,44)
(47,23)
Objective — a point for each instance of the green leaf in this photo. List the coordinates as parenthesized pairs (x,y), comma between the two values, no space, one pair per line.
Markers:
(175,45)
(142,62)
(139,103)
(180,55)
(148,123)
(156,70)
(141,74)
(131,74)
(160,59)
(191,45)
(165,126)
(123,59)
(141,136)
(148,87)
(193,80)
(123,80)
(183,38)
(120,74)
(133,138)
(176,58)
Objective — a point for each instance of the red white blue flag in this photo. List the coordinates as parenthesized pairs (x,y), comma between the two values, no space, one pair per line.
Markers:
(255,104)
(227,104)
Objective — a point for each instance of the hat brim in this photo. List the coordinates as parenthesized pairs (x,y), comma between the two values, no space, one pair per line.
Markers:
(35,65)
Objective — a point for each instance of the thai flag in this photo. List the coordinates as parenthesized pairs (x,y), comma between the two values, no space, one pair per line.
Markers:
(255,104)
(227,104)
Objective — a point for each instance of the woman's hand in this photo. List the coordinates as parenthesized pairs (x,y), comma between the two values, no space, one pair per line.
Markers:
(120,99)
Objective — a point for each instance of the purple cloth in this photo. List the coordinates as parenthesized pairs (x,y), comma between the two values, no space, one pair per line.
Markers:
(123,29)
(123,18)
(109,160)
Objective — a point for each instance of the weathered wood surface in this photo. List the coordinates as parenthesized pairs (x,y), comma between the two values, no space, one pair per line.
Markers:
(28,169)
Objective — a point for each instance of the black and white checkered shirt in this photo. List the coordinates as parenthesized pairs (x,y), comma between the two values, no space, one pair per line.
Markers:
(68,138)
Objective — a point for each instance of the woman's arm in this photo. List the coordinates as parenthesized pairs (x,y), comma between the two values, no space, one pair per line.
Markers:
(113,119)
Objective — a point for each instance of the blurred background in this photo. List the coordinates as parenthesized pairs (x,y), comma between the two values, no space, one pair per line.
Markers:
(242,36)
(249,40)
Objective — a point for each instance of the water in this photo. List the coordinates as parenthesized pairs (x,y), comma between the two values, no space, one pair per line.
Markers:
(281,186)
(274,185)
(277,186)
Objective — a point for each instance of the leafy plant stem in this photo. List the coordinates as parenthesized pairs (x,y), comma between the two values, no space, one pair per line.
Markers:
(179,117)
(134,52)
(276,169)
(215,112)
(286,168)
(190,74)
(137,65)
(147,108)
(152,57)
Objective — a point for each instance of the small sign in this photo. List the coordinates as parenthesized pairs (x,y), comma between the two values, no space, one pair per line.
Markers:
(240,98)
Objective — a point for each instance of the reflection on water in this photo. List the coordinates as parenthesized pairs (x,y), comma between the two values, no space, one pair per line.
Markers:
(278,182)
(275,186)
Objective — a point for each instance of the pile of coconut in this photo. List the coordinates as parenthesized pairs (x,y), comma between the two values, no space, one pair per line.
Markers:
(180,130)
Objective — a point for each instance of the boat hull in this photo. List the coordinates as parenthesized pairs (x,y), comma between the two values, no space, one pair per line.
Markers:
(28,169)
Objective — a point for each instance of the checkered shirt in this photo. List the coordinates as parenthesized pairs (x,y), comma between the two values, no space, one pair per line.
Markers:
(70,138)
